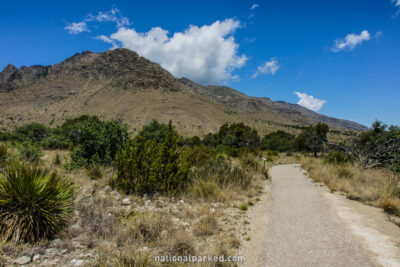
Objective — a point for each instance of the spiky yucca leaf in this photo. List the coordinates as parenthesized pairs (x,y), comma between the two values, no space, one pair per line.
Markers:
(34,202)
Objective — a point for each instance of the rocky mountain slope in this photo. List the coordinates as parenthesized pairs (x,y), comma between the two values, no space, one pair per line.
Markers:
(119,84)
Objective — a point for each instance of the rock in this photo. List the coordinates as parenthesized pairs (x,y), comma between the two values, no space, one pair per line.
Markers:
(77,263)
(212,210)
(186,224)
(64,251)
(175,220)
(116,195)
(55,242)
(126,201)
(75,228)
(107,189)
(181,201)
(214,205)
(23,260)
(50,251)
(36,257)
(147,202)
(76,213)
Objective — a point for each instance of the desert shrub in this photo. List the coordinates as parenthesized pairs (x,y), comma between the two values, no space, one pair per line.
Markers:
(232,138)
(207,225)
(94,171)
(312,138)
(336,157)
(154,131)
(30,152)
(96,142)
(190,141)
(55,141)
(146,167)
(34,203)
(198,154)
(278,141)
(32,132)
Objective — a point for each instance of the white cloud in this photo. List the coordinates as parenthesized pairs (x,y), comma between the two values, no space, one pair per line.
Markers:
(270,67)
(254,6)
(77,27)
(107,40)
(310,102)
(351,41)
(113,15)
(396,2)
(206,54)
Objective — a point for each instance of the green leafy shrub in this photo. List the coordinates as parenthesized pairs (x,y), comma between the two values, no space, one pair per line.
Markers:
(30,152)
(95,142)
(312,138)
(32,132)
(198,154)
(34,203)
(234,139)
(336,157)
(56,142)
(146,167)
(278,141)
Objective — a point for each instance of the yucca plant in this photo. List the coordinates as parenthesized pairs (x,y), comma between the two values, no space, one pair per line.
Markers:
(35,203)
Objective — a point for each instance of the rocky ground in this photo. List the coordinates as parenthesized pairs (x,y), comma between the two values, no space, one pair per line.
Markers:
(111,229)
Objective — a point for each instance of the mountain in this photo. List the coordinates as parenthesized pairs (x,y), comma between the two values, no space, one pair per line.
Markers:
(120,84)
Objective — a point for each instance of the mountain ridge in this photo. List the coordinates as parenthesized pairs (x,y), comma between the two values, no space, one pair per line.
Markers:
(120,84)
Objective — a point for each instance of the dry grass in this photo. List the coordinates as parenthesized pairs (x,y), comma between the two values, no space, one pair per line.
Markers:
(376,187)
(120,235)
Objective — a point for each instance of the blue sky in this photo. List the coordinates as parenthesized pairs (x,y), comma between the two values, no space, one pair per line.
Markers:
(340,58)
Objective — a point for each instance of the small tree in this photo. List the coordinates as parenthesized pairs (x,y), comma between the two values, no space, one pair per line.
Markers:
(146,167)
(313,138)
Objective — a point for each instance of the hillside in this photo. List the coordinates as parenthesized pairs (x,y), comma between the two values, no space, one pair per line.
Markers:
(119,84)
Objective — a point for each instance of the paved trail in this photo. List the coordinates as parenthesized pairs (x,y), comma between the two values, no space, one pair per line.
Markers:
(302,229)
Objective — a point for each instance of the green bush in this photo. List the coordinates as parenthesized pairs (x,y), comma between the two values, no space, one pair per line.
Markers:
(146,166)
(234,139)
(56,142)
(197,154)
(95,142)
(32,132)
(336,157)
(278,141)
(34,203)
(30,152)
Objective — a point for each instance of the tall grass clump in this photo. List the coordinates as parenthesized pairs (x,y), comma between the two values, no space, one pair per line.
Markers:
(250,162)
(209,178)
(34,202)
